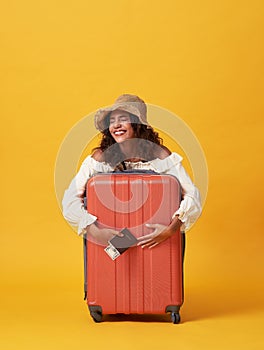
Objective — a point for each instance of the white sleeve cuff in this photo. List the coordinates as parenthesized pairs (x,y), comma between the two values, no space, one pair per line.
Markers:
(86,220)
(188,212)
(184,219)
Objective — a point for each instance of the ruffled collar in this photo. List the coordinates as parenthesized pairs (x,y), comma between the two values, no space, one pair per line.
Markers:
(101,167)
(159,165)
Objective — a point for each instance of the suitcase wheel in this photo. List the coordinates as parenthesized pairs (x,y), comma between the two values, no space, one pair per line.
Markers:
(175,317)
(96,313)
(97,316)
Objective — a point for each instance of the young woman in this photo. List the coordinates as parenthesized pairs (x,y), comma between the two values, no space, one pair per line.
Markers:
(129,142)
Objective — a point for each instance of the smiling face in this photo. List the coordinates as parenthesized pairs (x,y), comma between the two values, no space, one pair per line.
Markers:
(120,126)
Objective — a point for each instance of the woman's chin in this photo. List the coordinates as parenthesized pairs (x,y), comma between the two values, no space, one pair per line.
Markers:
(120,139)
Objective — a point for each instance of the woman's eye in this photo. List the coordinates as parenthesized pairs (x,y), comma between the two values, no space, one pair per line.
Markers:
(120,120)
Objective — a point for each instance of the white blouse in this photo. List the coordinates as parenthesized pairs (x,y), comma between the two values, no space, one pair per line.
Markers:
(73,205)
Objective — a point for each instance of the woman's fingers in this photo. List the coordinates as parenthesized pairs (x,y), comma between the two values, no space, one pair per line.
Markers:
(146,237)
(109,231)
(142,242)
(150,244)
(118,233)
(151,240)
(149,236)
(152,225)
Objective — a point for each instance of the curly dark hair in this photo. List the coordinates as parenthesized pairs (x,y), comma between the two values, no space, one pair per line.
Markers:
(145,136)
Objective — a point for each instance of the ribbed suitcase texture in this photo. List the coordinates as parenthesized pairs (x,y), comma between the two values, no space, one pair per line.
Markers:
(140,280)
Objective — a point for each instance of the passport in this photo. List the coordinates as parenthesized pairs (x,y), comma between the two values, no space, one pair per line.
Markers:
(118,245)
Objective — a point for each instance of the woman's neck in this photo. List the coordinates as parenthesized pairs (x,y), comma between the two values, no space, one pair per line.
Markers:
(129,150)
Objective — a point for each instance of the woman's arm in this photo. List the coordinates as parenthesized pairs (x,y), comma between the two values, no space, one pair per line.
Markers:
(187,213)
(74,210)
(190,206)
(160,233)
(73,203)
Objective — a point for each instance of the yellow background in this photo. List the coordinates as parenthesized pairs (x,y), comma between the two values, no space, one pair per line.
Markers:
(61,60)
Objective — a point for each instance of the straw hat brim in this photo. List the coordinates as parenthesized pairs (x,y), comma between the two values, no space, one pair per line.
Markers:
(100,115)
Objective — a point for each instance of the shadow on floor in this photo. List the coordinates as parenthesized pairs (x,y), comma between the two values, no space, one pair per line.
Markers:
(205,303)
(137,318)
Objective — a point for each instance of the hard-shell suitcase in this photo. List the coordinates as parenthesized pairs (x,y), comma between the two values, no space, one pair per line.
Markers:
(140,280)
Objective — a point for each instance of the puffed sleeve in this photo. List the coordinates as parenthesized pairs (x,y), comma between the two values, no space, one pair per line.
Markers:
(73,203)
(190,206)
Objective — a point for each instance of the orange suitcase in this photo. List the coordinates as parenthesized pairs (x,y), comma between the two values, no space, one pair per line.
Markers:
(139,281)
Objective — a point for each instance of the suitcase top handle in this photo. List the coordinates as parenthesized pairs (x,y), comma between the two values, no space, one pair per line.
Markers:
(135,171)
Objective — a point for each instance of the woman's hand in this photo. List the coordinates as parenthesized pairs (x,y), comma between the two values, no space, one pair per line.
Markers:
(102,235)
(160,233)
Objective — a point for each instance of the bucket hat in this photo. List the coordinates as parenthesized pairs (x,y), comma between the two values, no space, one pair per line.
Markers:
(126,102)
